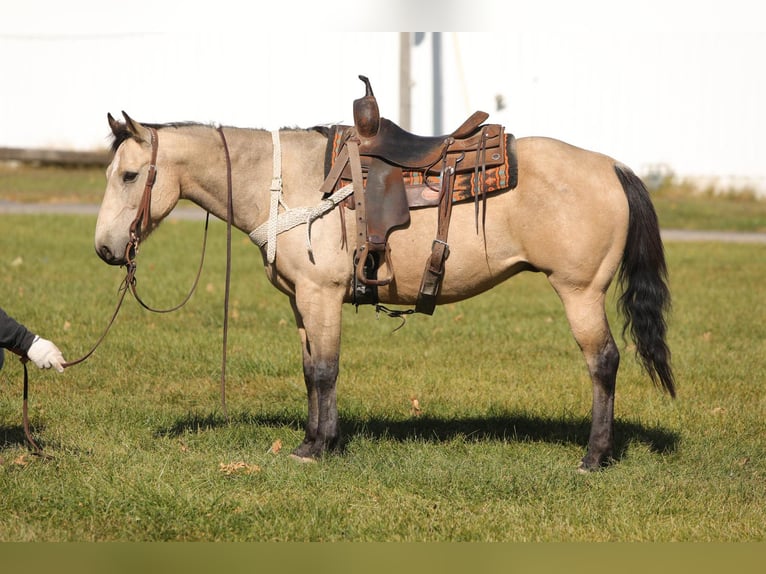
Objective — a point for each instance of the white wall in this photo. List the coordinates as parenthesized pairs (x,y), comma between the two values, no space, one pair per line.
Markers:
(649,83)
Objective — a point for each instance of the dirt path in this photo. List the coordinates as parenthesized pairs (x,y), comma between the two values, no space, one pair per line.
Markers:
(183,211)
(724,236)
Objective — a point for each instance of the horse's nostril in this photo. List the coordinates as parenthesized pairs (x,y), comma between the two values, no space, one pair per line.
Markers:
(105,253)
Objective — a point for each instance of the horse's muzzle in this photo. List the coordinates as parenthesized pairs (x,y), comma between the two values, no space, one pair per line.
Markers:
(106,254)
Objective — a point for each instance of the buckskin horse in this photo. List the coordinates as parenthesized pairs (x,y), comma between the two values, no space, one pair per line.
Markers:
(579,217)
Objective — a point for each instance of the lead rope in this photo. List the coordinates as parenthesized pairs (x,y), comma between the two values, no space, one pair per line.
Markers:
(229,218)
(185,300)
(36,450)
(129,283)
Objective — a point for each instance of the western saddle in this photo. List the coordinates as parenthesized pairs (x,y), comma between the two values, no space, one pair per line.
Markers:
(378,157)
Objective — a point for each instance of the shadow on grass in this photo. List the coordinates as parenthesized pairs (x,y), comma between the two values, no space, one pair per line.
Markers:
(12,436)
(512,427)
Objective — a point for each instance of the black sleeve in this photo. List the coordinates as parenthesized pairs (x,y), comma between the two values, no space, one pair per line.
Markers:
(14,335)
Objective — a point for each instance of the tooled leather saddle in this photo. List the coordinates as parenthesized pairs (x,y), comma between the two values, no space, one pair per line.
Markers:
(393,170)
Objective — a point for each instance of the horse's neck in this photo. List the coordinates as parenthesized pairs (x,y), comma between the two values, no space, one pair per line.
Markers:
(202,172)
(252,171)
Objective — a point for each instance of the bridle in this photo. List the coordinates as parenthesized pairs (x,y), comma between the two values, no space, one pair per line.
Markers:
(140,224)
(142,219)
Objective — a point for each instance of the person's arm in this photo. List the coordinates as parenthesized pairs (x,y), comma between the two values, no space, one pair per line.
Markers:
(17,338)
(13,335)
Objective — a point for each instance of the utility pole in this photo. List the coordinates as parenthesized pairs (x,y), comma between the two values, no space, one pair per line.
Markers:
(405,81)
(436,46)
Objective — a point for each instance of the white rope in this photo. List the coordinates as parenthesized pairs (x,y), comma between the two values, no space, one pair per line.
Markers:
(276,193)
(298,216)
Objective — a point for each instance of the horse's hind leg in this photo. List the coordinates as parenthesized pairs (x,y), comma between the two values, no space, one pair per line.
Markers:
(587,319)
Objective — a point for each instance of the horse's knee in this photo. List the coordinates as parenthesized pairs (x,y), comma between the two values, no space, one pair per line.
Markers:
(326,372)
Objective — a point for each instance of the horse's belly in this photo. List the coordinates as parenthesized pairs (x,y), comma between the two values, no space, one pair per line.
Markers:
(477,261)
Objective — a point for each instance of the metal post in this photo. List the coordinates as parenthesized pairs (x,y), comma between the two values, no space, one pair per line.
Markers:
(405,81)
(436,46)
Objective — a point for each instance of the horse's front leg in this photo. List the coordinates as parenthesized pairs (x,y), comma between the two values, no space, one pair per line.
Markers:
(318,317)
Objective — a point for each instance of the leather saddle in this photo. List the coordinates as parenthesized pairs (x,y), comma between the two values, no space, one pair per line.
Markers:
(376,154)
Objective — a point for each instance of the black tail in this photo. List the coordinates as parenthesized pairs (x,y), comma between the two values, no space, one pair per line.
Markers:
(645,299)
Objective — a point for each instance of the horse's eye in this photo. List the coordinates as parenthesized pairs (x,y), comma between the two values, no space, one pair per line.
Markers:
(129,176)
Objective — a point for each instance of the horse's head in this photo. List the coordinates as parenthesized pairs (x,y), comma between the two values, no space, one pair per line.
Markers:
(132,204)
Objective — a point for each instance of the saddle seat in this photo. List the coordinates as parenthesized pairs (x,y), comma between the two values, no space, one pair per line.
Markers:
(380,137)
(407,150)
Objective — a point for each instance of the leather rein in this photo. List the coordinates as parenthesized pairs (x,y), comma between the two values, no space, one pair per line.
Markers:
(141,223)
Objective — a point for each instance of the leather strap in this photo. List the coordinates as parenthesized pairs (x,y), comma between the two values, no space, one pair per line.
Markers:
(480,174)
(229,220)
(360,208)
(434,271)
(143,215)
(132,280)
(360,205)
(36,450)
(139,224)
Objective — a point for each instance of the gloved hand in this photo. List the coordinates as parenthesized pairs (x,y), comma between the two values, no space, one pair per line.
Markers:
(45,355)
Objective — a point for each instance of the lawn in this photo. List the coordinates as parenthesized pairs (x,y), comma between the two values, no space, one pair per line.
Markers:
(142,452)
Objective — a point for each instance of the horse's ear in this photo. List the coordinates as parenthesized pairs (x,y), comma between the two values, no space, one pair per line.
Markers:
(137,130)
(113,124)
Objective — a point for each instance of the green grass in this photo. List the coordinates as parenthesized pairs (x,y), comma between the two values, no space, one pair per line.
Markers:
(138,438)
(50,184)
(682,206)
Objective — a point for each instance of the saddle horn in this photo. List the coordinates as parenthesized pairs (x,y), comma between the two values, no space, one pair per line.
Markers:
(366,112)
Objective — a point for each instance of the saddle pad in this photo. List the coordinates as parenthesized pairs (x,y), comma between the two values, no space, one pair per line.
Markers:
(422,188)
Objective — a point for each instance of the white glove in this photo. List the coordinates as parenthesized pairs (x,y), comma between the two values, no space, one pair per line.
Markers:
(45,355)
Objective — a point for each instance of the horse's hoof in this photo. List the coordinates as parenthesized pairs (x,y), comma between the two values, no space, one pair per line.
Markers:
(586,467)
(302,459)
